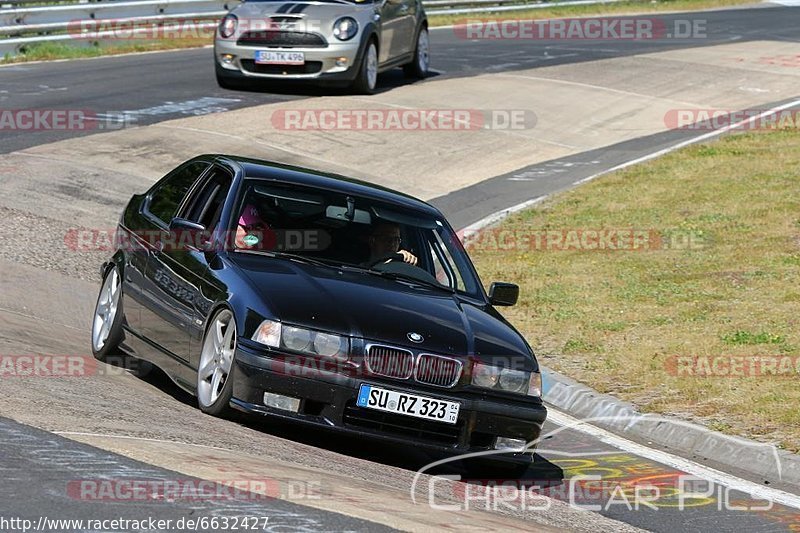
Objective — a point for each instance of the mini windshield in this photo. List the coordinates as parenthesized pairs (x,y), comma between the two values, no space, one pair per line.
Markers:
(344,230)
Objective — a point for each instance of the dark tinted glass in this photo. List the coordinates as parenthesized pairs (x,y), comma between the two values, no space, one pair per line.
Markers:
(167,197)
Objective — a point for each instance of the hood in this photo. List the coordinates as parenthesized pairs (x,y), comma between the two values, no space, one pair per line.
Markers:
(314,16)
(378,309)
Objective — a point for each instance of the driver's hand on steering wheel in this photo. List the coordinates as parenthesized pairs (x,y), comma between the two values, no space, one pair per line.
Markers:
(408,257)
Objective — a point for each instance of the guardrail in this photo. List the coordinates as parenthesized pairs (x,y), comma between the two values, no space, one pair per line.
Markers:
(86,22)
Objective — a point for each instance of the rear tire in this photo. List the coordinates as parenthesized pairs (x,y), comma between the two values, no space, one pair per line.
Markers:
(107,334)
(418,68)
(367,78)
(215,370)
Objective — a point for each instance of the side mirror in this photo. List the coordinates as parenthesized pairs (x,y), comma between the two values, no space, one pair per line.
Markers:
(503,293)
(187,234)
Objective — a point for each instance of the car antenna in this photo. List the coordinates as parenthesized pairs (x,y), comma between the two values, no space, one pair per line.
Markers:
(351,209)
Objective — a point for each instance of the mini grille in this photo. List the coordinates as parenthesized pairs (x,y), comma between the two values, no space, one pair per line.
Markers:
(284,39)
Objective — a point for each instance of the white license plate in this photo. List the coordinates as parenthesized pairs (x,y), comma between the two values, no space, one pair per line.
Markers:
(403,403)
(280,58)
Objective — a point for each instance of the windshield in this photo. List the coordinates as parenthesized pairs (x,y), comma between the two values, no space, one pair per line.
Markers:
(319,1)
(344,230)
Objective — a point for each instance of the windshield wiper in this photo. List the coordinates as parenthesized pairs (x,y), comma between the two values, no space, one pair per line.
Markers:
(286,255)
(411,279)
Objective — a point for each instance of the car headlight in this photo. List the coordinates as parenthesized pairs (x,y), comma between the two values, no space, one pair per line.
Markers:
(268,333)
(345,28)
(228,26)
(327,344)
(276,335)
(485,376)
(297,339)
(507,379)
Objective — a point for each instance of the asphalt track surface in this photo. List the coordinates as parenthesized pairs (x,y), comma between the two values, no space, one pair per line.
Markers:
(68,487)
(158,86)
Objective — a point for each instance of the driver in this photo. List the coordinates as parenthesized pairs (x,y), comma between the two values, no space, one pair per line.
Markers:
(385,240)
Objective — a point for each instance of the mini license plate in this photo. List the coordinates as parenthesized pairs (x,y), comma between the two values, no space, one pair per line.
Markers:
(403,403)
(280,58)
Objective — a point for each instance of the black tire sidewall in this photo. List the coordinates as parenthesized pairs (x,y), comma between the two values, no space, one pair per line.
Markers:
(115,334)
(361,83)
(221,407)
(412,69)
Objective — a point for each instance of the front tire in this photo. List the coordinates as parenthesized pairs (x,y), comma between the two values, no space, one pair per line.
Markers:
(107,332)
(367,77)
(214,373)
(418,68)
(228,81)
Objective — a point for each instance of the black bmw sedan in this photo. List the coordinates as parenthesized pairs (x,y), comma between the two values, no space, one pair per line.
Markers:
(292,293)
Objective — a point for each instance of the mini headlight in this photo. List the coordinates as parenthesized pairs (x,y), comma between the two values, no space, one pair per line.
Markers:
(296,339)
(228,26)
(485,375)
(328,345)
(345,28)
(268,333)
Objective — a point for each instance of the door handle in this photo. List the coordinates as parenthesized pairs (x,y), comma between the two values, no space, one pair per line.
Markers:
(159,247)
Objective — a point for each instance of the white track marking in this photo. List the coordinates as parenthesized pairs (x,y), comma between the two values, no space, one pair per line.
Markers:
(679,463)
(500,215)
(683,144)
(494,218)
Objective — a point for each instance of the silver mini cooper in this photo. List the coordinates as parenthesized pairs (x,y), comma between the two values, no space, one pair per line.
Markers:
(321,40)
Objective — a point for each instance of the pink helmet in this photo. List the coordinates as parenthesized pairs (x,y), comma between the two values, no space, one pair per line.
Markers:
(250,216)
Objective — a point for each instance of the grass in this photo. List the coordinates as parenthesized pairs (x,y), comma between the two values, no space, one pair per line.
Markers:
(54,50)
(620,8)
(614,319)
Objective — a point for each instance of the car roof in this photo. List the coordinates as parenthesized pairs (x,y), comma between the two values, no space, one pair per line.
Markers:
(257,168)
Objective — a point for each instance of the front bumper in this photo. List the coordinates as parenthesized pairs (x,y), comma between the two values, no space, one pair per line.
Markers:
(320,63)
(328,400)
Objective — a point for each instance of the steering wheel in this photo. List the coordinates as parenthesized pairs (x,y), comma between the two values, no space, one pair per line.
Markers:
(395,256)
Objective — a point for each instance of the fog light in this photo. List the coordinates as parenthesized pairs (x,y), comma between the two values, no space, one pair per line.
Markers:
(284,403)
(341,61)
(510,445)
(227,58)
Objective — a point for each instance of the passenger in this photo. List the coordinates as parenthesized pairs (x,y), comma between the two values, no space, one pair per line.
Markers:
(251,232)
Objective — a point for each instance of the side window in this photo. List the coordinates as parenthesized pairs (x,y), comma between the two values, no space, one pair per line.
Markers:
(441,275)
(444,259)
(166,198)
(205,205)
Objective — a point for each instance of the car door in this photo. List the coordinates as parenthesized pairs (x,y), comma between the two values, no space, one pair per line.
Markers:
(177,268)
(160,206)
(405,38)
(392,13)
